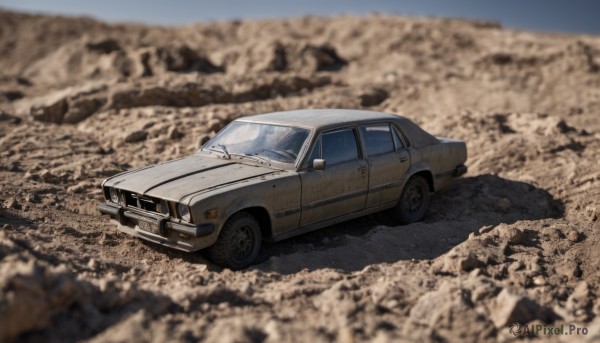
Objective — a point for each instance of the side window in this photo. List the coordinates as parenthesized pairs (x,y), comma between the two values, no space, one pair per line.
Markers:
(378,139)
(339,146)
(397,140)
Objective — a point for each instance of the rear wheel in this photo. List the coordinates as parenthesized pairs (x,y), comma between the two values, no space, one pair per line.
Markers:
(414,200)
(238,243)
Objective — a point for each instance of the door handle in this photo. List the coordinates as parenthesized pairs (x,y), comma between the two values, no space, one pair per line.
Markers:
(403,159)
(363,169)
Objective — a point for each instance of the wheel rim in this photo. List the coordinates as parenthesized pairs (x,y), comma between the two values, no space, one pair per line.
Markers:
(242,243)
(414,199)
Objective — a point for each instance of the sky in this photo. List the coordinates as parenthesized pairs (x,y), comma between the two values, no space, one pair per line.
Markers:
(575,16)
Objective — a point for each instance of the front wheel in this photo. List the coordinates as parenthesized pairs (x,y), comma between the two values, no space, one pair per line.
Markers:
(414,200)
(238,243)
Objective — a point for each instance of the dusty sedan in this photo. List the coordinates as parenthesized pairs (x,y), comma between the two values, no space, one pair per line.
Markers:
(278,175)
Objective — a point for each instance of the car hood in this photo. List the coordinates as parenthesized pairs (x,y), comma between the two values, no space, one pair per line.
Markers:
(178,179)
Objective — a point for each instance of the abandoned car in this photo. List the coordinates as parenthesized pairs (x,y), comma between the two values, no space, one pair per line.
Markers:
(277,175)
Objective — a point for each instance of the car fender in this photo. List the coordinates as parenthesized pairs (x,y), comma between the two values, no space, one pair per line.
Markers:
(240,205)
(418,167)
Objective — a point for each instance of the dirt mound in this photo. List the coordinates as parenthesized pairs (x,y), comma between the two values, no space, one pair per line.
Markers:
(513,241)
(277,56)
(38,296)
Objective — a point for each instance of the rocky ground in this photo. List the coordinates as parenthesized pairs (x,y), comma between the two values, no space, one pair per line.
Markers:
(515,240)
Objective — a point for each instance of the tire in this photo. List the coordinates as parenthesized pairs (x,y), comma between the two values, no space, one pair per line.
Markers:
(414,201)
(238,243)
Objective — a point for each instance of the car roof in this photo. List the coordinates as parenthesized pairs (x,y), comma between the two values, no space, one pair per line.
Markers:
(318,118)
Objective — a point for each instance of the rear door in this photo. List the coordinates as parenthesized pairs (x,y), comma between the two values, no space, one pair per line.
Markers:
(388,163)
(340,188)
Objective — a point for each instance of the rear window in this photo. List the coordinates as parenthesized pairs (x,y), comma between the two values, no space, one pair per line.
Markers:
(378,139)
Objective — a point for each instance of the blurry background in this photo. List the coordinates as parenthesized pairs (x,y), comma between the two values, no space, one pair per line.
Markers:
(549,15)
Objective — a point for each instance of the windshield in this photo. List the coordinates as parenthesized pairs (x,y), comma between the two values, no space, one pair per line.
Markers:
(272,142)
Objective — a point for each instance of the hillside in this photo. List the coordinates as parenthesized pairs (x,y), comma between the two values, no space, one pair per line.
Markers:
(514,240)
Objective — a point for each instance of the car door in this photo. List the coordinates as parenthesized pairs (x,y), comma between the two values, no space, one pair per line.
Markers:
(340,188)
(388,163)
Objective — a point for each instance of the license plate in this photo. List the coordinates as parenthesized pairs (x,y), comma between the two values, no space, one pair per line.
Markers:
(146,226)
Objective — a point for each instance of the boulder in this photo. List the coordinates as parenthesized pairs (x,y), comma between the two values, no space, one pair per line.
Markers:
(512,235)
(52,113)
(509,308)
(136,136)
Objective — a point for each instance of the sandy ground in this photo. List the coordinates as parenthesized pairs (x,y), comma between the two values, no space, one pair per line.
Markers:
(514,241)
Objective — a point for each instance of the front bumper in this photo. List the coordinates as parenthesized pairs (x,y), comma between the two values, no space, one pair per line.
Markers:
(153,227)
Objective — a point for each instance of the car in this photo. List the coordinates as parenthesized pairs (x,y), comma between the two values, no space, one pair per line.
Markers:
(273,176)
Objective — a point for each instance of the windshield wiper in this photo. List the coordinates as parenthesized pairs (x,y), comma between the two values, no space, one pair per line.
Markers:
(254,157)
(229,154)
(225,151)
(260,158)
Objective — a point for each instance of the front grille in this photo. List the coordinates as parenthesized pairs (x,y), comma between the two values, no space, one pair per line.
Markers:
(147,205)
(141,202)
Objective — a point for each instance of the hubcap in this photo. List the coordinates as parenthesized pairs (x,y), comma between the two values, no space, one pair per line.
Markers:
(414,199)
(241,243)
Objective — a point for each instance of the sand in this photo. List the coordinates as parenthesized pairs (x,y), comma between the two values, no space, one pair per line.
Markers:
(514,240)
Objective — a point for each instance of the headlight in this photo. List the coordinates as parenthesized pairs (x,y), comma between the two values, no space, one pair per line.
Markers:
(114,196)
(184,212)
(164,207)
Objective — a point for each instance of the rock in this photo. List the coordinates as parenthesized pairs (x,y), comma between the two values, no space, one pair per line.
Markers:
(92,263)
(203,140)
(33,198)
(578,307)
(215,125)
(437,310)
(7,227)
(281,56)
(80,187)
(5,117)
(174,134)
(105,46)
(12,95)
(539,280)
(574,236)
(53,113)
(10,166)
(579,301)
(148,125)
(322,57)
(30,175)
(486,229)
(13,203)
(509,308)
(183,59)
(569,269)
(82,109)
(512,235)
(373,97)
(47,176)
(136,136)
(470,262)
(32,293)
(472,254)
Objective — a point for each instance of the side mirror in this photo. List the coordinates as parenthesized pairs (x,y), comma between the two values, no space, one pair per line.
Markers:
(319,164)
